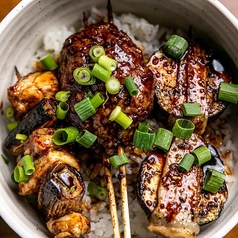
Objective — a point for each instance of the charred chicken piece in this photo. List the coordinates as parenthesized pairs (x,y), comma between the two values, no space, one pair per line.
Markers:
(191,79)
(42,115)
(29,90)
(73,225)
(182,205)
(61,191)
(118,46)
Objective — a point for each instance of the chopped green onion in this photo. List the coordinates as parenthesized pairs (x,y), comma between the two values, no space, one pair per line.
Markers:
(228,92)
(213,180)
(143,126)
(163,139)
(65,135)
(12,125)
(89,95)
(86,138)
(19,174)
(62,96)
(84,109)
(96,52)
(118,160)
(113,85)
(97,100)
(107,63)
(97,191)
(62,110)
(48,62)
(131,87)
(186,163)
(202,154)
(82,75)
(101,73)
(102,193)
(143,140)
(120,117)
(183,128)
(176,46)
(21,137)
(28,164)
(191,109)
(6,161)
(9,113)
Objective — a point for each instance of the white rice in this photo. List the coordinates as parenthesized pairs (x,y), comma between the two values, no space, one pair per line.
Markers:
(146,36)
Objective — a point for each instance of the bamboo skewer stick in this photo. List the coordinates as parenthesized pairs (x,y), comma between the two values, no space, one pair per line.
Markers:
(112,200)
(124,198)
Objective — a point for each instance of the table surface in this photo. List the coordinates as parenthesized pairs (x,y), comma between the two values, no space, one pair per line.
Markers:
(5,7)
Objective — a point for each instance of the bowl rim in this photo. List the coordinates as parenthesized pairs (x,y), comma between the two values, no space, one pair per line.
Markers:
(19,228)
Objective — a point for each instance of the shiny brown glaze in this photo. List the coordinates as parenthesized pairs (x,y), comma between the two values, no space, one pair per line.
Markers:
(118,45)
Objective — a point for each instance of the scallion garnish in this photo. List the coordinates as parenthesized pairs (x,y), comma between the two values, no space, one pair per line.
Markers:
(101,73)
(186,163)
(176,46)
(191,109)
(84,109)
(228,92)
(96,52)
(48,62)
(120,117)
(97,100)
(9,113)
(82,75)
(107,63)
(183,128)
(65,135)
(19,174)
(113,85)
(213,180)
(99,192)
(62,110)
(6,161)
(118,160)
(62,96)
(163,138)
(143,137)
(86,138)
(21,137)
(12,125)
(28,164)
(131,87)
(202,154)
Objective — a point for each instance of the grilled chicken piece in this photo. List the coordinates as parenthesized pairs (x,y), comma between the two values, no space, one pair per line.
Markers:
(43,115)
(118,46)
(148,180)
(71,225)
(29,90)
(44,154)
(191,79)
(174,202)
(61,191)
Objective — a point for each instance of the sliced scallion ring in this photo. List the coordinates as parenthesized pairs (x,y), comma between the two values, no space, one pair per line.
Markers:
(163,138)
(101,73)
(176,46)
(12,125)
(86,138)
(82,75)
(28,164)
(202,155)
(191,109)
(186,163)
(228,92)
(113,85)
(118,160)
(9,113)
(143,140)
(131,86)
(19,174)
(21,137)
(65,135)
(48,62)
(62,96)
(107,63)
(213,180)
(96,52)
(97,100)
(62,110)
(183,128)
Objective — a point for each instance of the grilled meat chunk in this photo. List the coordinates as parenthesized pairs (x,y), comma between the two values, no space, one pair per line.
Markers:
(72,225)
(43,115)
(174,201)
(191,79)
(61,191)
(118,46)
(29,90)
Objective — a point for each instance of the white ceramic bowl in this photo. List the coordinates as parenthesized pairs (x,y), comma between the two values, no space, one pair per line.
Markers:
(21,33)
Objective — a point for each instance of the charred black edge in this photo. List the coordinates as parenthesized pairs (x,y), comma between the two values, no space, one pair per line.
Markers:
(109,12)
(43,112)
